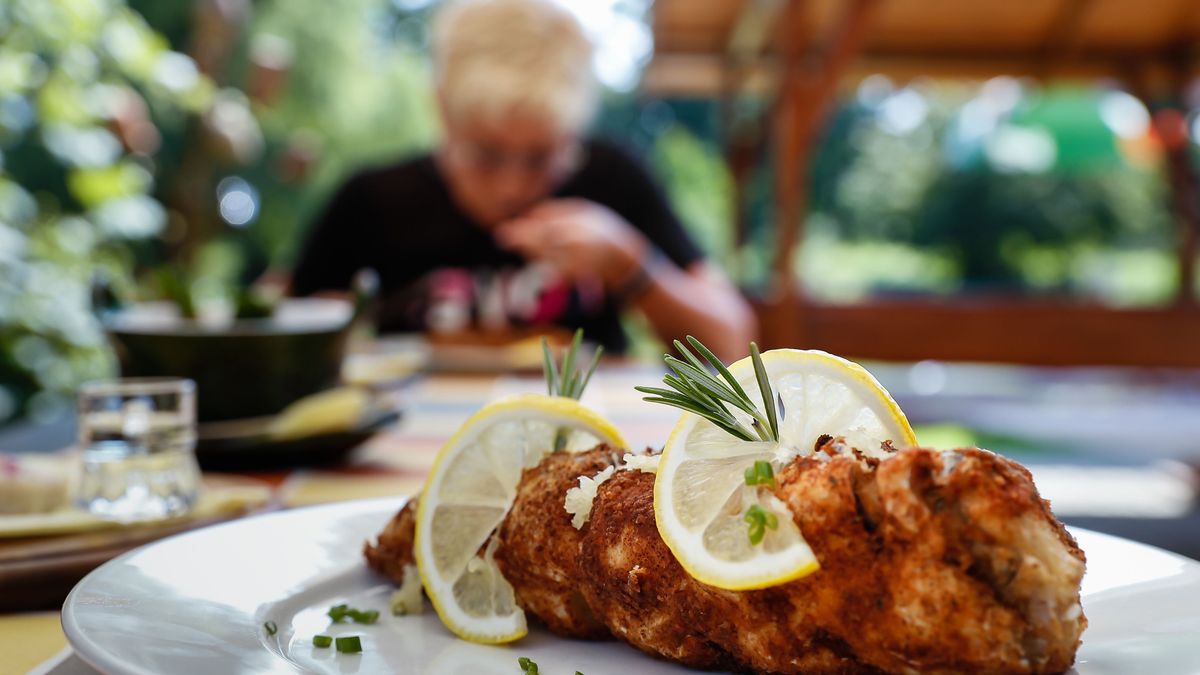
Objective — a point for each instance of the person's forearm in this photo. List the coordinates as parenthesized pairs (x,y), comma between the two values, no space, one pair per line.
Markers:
(679,303)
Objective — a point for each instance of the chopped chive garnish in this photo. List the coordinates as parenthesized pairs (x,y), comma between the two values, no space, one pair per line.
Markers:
(527,665)
(322,641)
(271,628)
(349,644)
(759,519)
(339,612)
(761,474)
(368,617)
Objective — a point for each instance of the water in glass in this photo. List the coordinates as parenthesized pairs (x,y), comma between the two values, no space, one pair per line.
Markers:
(137,438)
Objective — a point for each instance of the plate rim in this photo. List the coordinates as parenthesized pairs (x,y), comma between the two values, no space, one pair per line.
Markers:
(100,657)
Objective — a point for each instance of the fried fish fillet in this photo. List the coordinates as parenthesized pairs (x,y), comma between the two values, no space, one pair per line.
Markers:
(932,562)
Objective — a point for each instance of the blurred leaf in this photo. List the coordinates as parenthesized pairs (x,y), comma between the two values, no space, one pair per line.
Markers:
(12,245)
(20,71)
(175,288)
(93,187)
(17,206)
(253,305)
(62,100)
(133,45)
(132,217)
(700,188)
(82,146)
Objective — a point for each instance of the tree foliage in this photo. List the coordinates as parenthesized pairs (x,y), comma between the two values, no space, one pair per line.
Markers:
(87,93)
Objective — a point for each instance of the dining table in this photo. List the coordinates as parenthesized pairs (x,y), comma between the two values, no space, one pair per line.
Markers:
(393,462)
(396,460)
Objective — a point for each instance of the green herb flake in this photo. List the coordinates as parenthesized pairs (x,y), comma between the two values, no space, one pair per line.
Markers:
(760,474)
(528,667)
(368,617)
(759,519)
(349,644)
(271,628)
(322,641)
(338,613)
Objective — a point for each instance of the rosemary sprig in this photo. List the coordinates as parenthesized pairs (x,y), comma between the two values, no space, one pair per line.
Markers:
(694,389)
(567,381)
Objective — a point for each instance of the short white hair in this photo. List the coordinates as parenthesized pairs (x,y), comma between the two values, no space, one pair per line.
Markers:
(494,57)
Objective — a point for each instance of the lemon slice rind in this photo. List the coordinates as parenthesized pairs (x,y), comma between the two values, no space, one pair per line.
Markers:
(466,497)
(863,407)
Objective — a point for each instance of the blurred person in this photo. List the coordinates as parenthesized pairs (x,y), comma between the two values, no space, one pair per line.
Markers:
(516,220)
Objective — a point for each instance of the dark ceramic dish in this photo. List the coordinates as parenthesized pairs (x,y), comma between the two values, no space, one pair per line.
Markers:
(242,368)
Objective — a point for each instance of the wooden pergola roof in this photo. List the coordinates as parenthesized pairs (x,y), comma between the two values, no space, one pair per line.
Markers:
(796,54)
(904,38)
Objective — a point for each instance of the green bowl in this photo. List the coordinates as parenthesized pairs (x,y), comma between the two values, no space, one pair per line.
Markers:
(242,368)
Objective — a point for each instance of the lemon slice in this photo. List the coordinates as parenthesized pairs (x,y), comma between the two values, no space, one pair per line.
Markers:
(701,500)
(469,491)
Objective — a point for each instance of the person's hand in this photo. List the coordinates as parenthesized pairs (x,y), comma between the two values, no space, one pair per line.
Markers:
(581,239)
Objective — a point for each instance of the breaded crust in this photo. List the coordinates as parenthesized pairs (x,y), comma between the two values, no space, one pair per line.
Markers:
(931,562)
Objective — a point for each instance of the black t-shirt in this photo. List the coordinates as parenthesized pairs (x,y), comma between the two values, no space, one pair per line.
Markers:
(438,269)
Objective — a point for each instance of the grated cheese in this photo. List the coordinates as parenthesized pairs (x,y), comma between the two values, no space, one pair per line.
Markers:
(407,598)
(643,463)
(579,499)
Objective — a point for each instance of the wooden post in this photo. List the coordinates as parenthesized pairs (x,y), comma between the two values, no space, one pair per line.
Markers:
(1162,89)
(807,92)
(1184,197)
(741,155)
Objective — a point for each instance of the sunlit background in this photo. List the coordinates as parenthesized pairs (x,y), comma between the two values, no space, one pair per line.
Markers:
(146,144)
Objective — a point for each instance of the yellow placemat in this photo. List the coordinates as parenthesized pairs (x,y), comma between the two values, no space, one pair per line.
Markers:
(321,487)
(26,640)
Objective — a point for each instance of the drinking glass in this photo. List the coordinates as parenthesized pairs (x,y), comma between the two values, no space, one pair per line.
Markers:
(137,439)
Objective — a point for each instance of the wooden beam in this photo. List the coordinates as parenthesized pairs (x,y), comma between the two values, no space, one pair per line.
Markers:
(998,330)
(750,34)
(1064,41)
(699,75)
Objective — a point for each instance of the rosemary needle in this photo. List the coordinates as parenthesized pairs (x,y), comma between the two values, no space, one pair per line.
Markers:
(694,389)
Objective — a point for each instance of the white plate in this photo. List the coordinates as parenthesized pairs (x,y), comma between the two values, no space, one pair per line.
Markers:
(195,604)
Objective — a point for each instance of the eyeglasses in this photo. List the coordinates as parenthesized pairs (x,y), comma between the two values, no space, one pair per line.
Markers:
(491,160)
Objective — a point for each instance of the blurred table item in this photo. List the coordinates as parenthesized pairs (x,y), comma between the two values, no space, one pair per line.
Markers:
(398,357)
(43,555)
(242,367)
(318,430)
(32,484)
(137,438)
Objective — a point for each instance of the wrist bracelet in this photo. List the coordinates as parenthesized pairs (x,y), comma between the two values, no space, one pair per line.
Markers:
(641,279)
